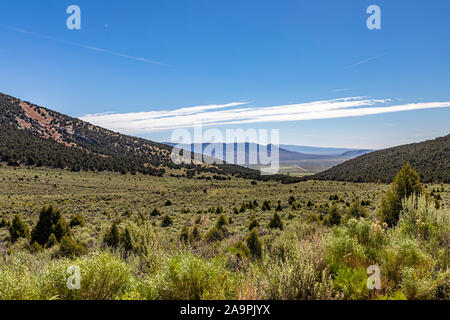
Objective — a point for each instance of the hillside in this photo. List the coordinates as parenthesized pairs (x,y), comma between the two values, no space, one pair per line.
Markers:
(430,158)
(36,136)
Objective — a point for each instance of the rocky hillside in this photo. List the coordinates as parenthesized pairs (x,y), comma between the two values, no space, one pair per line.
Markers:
(36,136)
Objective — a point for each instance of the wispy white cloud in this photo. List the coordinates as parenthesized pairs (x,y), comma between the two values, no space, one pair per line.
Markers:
(341,90)
(367,60)
(237,113)
(80,45)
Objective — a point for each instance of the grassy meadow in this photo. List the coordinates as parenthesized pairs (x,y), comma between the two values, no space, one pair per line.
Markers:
(144,237)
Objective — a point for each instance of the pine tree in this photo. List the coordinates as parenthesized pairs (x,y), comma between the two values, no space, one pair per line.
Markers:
(18,229)
(405,184)
(276,222)
(254,244)
(50,222)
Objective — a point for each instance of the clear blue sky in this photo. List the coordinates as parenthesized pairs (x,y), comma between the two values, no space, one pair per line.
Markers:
(266,53)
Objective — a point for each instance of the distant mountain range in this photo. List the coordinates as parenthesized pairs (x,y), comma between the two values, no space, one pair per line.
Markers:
(336,152)
(287,153)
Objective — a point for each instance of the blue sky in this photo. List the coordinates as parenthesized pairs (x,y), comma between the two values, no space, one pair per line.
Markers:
(261,53)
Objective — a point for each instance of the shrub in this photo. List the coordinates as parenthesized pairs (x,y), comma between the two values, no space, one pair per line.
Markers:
(221,222)
(279,208)
(3,223)
(356,210)
(18,229)
(35,247)
(276,222)
(254,244)
(421,286)
(166,221)
(420,219)
(52,241)
(103,277)
(71,248)
(50,221)
(188,277)
(155,212)
(214,234)
(253,224)
(403,252)
(184,235)
(265,206)
(299,275)
(334,216)
(77,220)
(168,203)
(125,240)
(352,283)
(240,250)
(405,184)
(195,234)
(112,236)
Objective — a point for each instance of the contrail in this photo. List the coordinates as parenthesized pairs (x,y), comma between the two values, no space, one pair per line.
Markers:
(80,45)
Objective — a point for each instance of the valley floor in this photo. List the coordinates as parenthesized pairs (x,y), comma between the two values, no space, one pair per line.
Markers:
(305,260)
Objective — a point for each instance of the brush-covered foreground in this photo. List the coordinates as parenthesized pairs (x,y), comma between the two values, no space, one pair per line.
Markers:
(143,237)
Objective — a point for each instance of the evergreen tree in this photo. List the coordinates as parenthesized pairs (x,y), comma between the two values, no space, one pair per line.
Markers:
(18,229)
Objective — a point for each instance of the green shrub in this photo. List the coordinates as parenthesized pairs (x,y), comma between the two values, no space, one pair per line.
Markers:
(253,224)
(35,247)
(333,216)
(70,248)
(52,241)
(155,212)
(275,222)
(240,250)
(421,286)
(352,283)
(77,220)
(221,222)
(3,223)
(344,250)
(265,206)
(184,235)
(166,221)
(195,234)
(300,274)
(214,234)
(356,210)
(403,252)
(188,277)
(168,203)
(405,184)
(103,277)
(279,207)
(18,229)
(254,244)
(357,243)
(125,240)
(50,222)
(420,219)
(112,236)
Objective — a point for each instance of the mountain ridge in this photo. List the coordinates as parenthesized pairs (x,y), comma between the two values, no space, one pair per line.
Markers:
(431,158)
